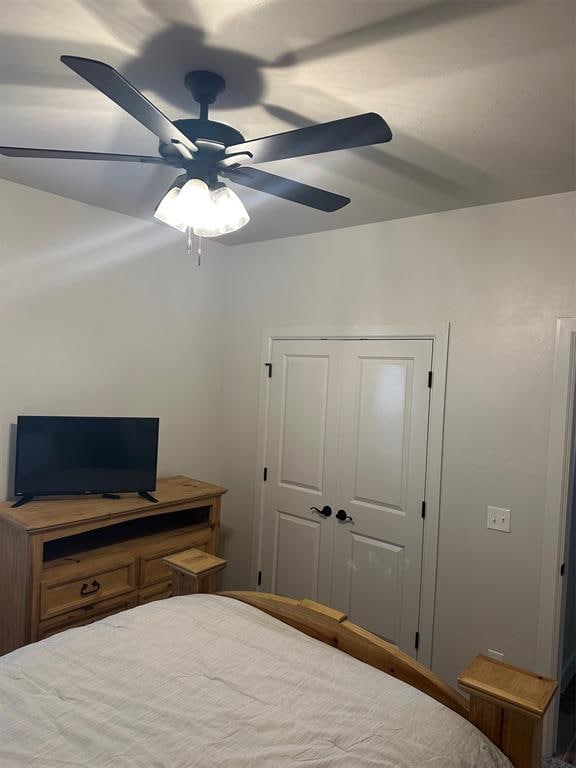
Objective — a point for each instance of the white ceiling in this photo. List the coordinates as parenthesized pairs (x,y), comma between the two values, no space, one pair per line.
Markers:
(479,95)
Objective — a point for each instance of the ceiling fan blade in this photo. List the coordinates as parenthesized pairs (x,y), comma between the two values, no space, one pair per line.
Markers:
(294,191)
(346,133)
(111,83)
(65,154)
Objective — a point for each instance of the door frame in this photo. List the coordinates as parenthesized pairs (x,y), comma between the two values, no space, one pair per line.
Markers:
(554,544)
(438,333)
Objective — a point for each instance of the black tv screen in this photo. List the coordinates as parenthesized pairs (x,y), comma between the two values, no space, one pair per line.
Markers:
(58,455)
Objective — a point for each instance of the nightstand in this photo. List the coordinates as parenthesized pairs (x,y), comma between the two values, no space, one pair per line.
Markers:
(193,571)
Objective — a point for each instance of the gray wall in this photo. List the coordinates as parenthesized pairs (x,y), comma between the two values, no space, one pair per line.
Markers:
(501,275)
(104,314)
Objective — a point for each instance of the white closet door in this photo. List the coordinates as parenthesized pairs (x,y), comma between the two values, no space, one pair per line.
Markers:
(382,442)
(301,465)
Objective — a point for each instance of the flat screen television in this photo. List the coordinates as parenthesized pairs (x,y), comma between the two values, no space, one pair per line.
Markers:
(72,455)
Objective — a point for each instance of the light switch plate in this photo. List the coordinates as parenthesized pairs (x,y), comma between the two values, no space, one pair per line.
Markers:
(498,519)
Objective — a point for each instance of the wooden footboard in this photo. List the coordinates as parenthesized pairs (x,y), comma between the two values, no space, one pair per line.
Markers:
(506,703)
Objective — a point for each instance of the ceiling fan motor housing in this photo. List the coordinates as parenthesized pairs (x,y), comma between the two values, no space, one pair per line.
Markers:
(210,137)
(209,130)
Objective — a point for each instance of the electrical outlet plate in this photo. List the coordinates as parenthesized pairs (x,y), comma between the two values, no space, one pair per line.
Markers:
(498,519)
(498,655)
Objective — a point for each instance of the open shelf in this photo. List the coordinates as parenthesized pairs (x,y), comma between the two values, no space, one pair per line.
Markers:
(112,537)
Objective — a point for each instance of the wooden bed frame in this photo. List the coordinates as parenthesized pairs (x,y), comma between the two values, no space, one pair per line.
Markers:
(506,703)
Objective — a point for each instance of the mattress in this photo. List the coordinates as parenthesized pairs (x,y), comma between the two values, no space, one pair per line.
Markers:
(205,681)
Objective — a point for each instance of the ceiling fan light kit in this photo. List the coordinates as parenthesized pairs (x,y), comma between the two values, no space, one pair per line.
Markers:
(208,212)
(207,151)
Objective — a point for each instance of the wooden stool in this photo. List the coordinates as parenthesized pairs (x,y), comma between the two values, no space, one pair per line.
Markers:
(193,571)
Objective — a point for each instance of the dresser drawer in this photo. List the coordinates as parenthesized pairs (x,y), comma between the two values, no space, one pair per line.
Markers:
(155,592)
(94,582)
(153,570)
(85,615)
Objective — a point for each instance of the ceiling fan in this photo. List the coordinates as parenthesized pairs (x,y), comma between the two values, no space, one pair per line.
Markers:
(208,150)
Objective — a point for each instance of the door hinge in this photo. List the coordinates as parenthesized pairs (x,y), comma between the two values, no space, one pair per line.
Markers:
(265,474)
(562,569)
(423,509)
(417,640)
(269,366)
(259,578)
(430,379)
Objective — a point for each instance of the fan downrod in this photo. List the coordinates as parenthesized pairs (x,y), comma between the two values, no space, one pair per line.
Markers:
(205,87)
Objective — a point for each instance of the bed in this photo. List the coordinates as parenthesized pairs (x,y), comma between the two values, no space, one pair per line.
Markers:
(208,681)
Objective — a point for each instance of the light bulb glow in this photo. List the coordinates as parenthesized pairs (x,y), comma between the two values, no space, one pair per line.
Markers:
(195,202)
(208,213)
(228,214)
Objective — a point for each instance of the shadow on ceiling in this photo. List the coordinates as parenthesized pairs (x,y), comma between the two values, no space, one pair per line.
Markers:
(167,40)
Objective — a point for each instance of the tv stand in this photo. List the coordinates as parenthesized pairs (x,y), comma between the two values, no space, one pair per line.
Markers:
(68,562)
(147,496)
(143,494)
(22,500)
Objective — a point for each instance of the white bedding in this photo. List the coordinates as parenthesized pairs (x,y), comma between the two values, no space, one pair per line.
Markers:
(209,682)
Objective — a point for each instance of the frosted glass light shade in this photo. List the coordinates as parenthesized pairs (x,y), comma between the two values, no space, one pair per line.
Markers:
(195,203)
(208,213)
(185,207)
(227,214)
(168,210)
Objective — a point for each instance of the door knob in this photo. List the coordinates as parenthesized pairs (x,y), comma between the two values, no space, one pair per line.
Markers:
(325,511)
(343,516)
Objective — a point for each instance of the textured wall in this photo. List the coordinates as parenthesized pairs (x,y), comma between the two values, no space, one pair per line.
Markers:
(501,275)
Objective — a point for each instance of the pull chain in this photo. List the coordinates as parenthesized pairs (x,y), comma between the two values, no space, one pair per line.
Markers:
(189,246)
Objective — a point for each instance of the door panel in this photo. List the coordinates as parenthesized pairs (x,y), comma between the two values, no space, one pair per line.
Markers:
(382,436)
(381,485)
(376,562)
(301,460)
(296,535)
(304,421)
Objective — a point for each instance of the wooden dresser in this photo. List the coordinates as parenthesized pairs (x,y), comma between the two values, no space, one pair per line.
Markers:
(68,562)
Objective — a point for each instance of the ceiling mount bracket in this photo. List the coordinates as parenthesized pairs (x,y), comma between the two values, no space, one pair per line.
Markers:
(205,87)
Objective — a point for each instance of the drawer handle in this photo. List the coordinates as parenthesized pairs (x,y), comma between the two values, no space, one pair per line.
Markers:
(85,589)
